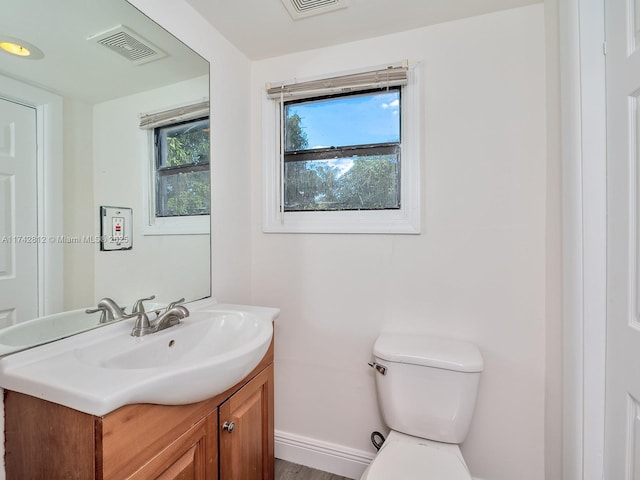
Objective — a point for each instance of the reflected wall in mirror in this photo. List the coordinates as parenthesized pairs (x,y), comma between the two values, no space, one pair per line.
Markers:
(97,155)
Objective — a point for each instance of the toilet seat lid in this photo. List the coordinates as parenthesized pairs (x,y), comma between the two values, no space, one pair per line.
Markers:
(416,462)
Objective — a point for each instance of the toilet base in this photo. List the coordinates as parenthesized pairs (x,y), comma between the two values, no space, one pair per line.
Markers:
(420,457)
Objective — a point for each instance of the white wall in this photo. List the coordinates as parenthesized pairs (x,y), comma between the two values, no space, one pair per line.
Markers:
(477,271)
(230,203)
(100,170)
(79,215)
(168,266)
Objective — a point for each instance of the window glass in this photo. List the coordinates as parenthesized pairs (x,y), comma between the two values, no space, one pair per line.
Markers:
(353,119)
(343,152)
(182,169)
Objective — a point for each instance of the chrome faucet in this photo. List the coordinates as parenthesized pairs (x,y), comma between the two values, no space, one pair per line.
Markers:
(177,302)
(109,309)
(170,317)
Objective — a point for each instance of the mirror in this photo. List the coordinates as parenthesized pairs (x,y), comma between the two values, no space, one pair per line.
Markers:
(97,155)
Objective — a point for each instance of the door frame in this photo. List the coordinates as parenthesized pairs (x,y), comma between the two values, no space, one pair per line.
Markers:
(583,125)
(49,127)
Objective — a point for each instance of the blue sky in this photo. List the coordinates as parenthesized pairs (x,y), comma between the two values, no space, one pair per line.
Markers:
(354,120)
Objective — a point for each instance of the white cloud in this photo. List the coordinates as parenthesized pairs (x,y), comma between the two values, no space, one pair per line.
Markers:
(393,104)
(342,164)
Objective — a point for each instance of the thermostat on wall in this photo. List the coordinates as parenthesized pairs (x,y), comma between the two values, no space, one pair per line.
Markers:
(116,228)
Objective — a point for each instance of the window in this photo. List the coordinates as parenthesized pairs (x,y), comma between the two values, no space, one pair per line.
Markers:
(182,169)
(341,154)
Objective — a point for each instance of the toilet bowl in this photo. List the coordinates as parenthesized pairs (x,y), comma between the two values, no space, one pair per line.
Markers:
(403,457)
(427,388)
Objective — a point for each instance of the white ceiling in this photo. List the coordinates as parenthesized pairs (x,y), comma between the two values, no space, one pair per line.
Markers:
(75,67)
(263,28)
(72,66)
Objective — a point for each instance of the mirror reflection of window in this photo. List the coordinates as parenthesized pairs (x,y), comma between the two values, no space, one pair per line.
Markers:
(182,169)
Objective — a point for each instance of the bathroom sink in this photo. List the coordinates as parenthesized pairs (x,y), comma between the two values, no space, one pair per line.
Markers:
(101,370)
(200,337)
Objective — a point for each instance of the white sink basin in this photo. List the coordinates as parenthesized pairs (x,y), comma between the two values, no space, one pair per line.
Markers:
(101,370)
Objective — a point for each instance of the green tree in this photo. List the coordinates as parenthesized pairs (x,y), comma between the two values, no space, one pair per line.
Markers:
(371,183)
(186,192)
(311,185)
(295,136)
(188,148)
(300,187)
(301,183)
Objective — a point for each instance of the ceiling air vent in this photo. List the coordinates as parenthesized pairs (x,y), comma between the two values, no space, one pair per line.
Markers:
(306,8)
(129,44)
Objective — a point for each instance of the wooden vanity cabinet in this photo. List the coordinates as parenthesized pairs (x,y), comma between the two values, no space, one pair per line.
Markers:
(191,456)
(246,431)
(147,441)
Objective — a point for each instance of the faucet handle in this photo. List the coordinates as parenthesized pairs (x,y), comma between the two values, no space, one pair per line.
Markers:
(173,304)
(103,313)
(138,307)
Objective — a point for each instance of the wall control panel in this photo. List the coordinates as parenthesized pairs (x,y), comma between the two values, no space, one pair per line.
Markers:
(116,228)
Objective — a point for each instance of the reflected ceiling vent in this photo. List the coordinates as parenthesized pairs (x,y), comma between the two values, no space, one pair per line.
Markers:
(306,8)
(129,44)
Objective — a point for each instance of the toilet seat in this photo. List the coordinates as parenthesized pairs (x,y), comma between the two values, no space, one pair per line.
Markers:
(415,461)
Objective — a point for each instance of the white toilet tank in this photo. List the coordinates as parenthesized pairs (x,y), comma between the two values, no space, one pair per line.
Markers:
(429,385)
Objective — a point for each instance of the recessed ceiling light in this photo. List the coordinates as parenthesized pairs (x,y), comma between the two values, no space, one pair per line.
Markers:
(19,48)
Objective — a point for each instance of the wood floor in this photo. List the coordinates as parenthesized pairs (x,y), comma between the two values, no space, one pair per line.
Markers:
(291,471)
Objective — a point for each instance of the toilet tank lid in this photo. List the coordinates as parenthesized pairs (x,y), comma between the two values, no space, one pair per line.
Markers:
(430,351)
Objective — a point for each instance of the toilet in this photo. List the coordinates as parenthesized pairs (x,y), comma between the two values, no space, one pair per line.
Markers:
(427,388)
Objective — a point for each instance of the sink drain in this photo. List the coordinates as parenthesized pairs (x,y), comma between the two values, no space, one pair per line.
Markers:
(172,343)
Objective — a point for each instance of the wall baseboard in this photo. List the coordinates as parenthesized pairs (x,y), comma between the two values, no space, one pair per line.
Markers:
(329,457)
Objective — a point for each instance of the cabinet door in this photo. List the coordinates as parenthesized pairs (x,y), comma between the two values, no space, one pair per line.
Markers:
(246,431)
(190,457)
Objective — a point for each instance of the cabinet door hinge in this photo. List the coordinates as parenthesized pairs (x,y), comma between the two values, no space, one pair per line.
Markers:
(604,48)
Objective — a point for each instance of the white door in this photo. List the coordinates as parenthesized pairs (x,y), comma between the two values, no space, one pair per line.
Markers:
(18,214)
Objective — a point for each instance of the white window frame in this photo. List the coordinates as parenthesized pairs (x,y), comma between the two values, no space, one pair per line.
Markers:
(184,225)
(405,220)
